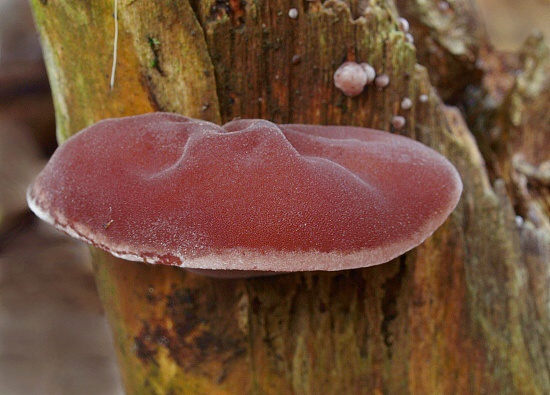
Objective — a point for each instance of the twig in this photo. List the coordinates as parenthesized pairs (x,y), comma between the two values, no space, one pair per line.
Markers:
(115,46)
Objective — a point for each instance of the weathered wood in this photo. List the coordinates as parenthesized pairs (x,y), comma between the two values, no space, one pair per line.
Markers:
(448,37)
(456,315)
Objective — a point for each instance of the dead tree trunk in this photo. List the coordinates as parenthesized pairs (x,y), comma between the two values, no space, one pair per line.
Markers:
(467,312)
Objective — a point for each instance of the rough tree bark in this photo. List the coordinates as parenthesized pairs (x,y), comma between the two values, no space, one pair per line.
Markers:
(466,312)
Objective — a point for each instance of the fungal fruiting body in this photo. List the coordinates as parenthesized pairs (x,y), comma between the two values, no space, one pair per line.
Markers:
(249,196)
(406,103)
(293,13)
(404,24)
(444,6)
(369,70)
(382,81)
(351,78)
(398,122)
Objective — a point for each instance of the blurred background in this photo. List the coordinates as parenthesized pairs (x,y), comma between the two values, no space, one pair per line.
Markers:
(54,337)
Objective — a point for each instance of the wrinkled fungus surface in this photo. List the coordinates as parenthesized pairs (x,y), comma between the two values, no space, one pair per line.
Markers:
(251,195)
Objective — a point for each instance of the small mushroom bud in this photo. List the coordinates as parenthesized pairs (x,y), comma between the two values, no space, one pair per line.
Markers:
(398,122)
(443,6)
(404,24)
(406,103)
(350,78)
(371,73)
(293,13)
(382,81)
(519,221)
(423,98)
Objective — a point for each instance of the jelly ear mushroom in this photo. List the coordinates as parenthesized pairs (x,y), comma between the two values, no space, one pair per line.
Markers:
(245,199)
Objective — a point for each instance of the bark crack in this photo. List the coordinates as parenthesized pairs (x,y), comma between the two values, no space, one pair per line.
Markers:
(392,288)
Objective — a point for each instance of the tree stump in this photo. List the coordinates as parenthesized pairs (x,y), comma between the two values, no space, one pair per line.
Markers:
(465,312)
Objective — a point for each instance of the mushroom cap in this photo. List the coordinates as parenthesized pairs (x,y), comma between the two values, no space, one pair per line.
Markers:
(250,196)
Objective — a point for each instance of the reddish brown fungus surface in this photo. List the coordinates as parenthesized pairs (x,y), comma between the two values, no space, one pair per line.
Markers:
(251,195)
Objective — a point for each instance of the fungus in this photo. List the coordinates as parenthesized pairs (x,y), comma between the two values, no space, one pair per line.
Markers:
(293,13)
(519,221)
(351,78)
(404,24)
(406,103)
(296,59)
(398,122)
(247,198)
(369,70)
(423,98)
(443,6)
(382,81)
